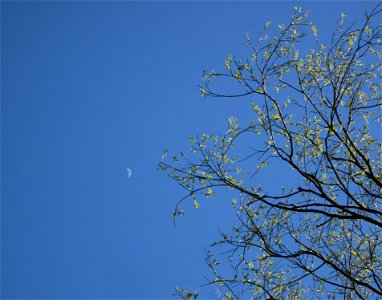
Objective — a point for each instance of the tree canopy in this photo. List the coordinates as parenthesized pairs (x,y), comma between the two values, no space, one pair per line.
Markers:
(317,116)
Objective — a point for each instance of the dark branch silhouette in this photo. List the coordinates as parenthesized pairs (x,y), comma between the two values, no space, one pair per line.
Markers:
(316,114)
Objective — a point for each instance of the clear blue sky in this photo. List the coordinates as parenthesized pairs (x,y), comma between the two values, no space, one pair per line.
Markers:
(89,89)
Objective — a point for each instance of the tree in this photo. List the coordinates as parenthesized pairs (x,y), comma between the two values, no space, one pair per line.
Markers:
(317,117)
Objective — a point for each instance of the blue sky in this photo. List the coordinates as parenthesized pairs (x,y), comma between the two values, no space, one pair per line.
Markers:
(89,89)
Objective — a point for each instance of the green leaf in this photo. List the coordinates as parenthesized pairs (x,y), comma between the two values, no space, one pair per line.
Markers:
(203,92)
(196,204)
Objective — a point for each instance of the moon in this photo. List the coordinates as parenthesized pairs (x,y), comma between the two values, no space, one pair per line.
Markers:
(129,172)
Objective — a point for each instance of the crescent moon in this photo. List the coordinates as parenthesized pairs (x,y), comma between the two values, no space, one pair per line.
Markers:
(129,172)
